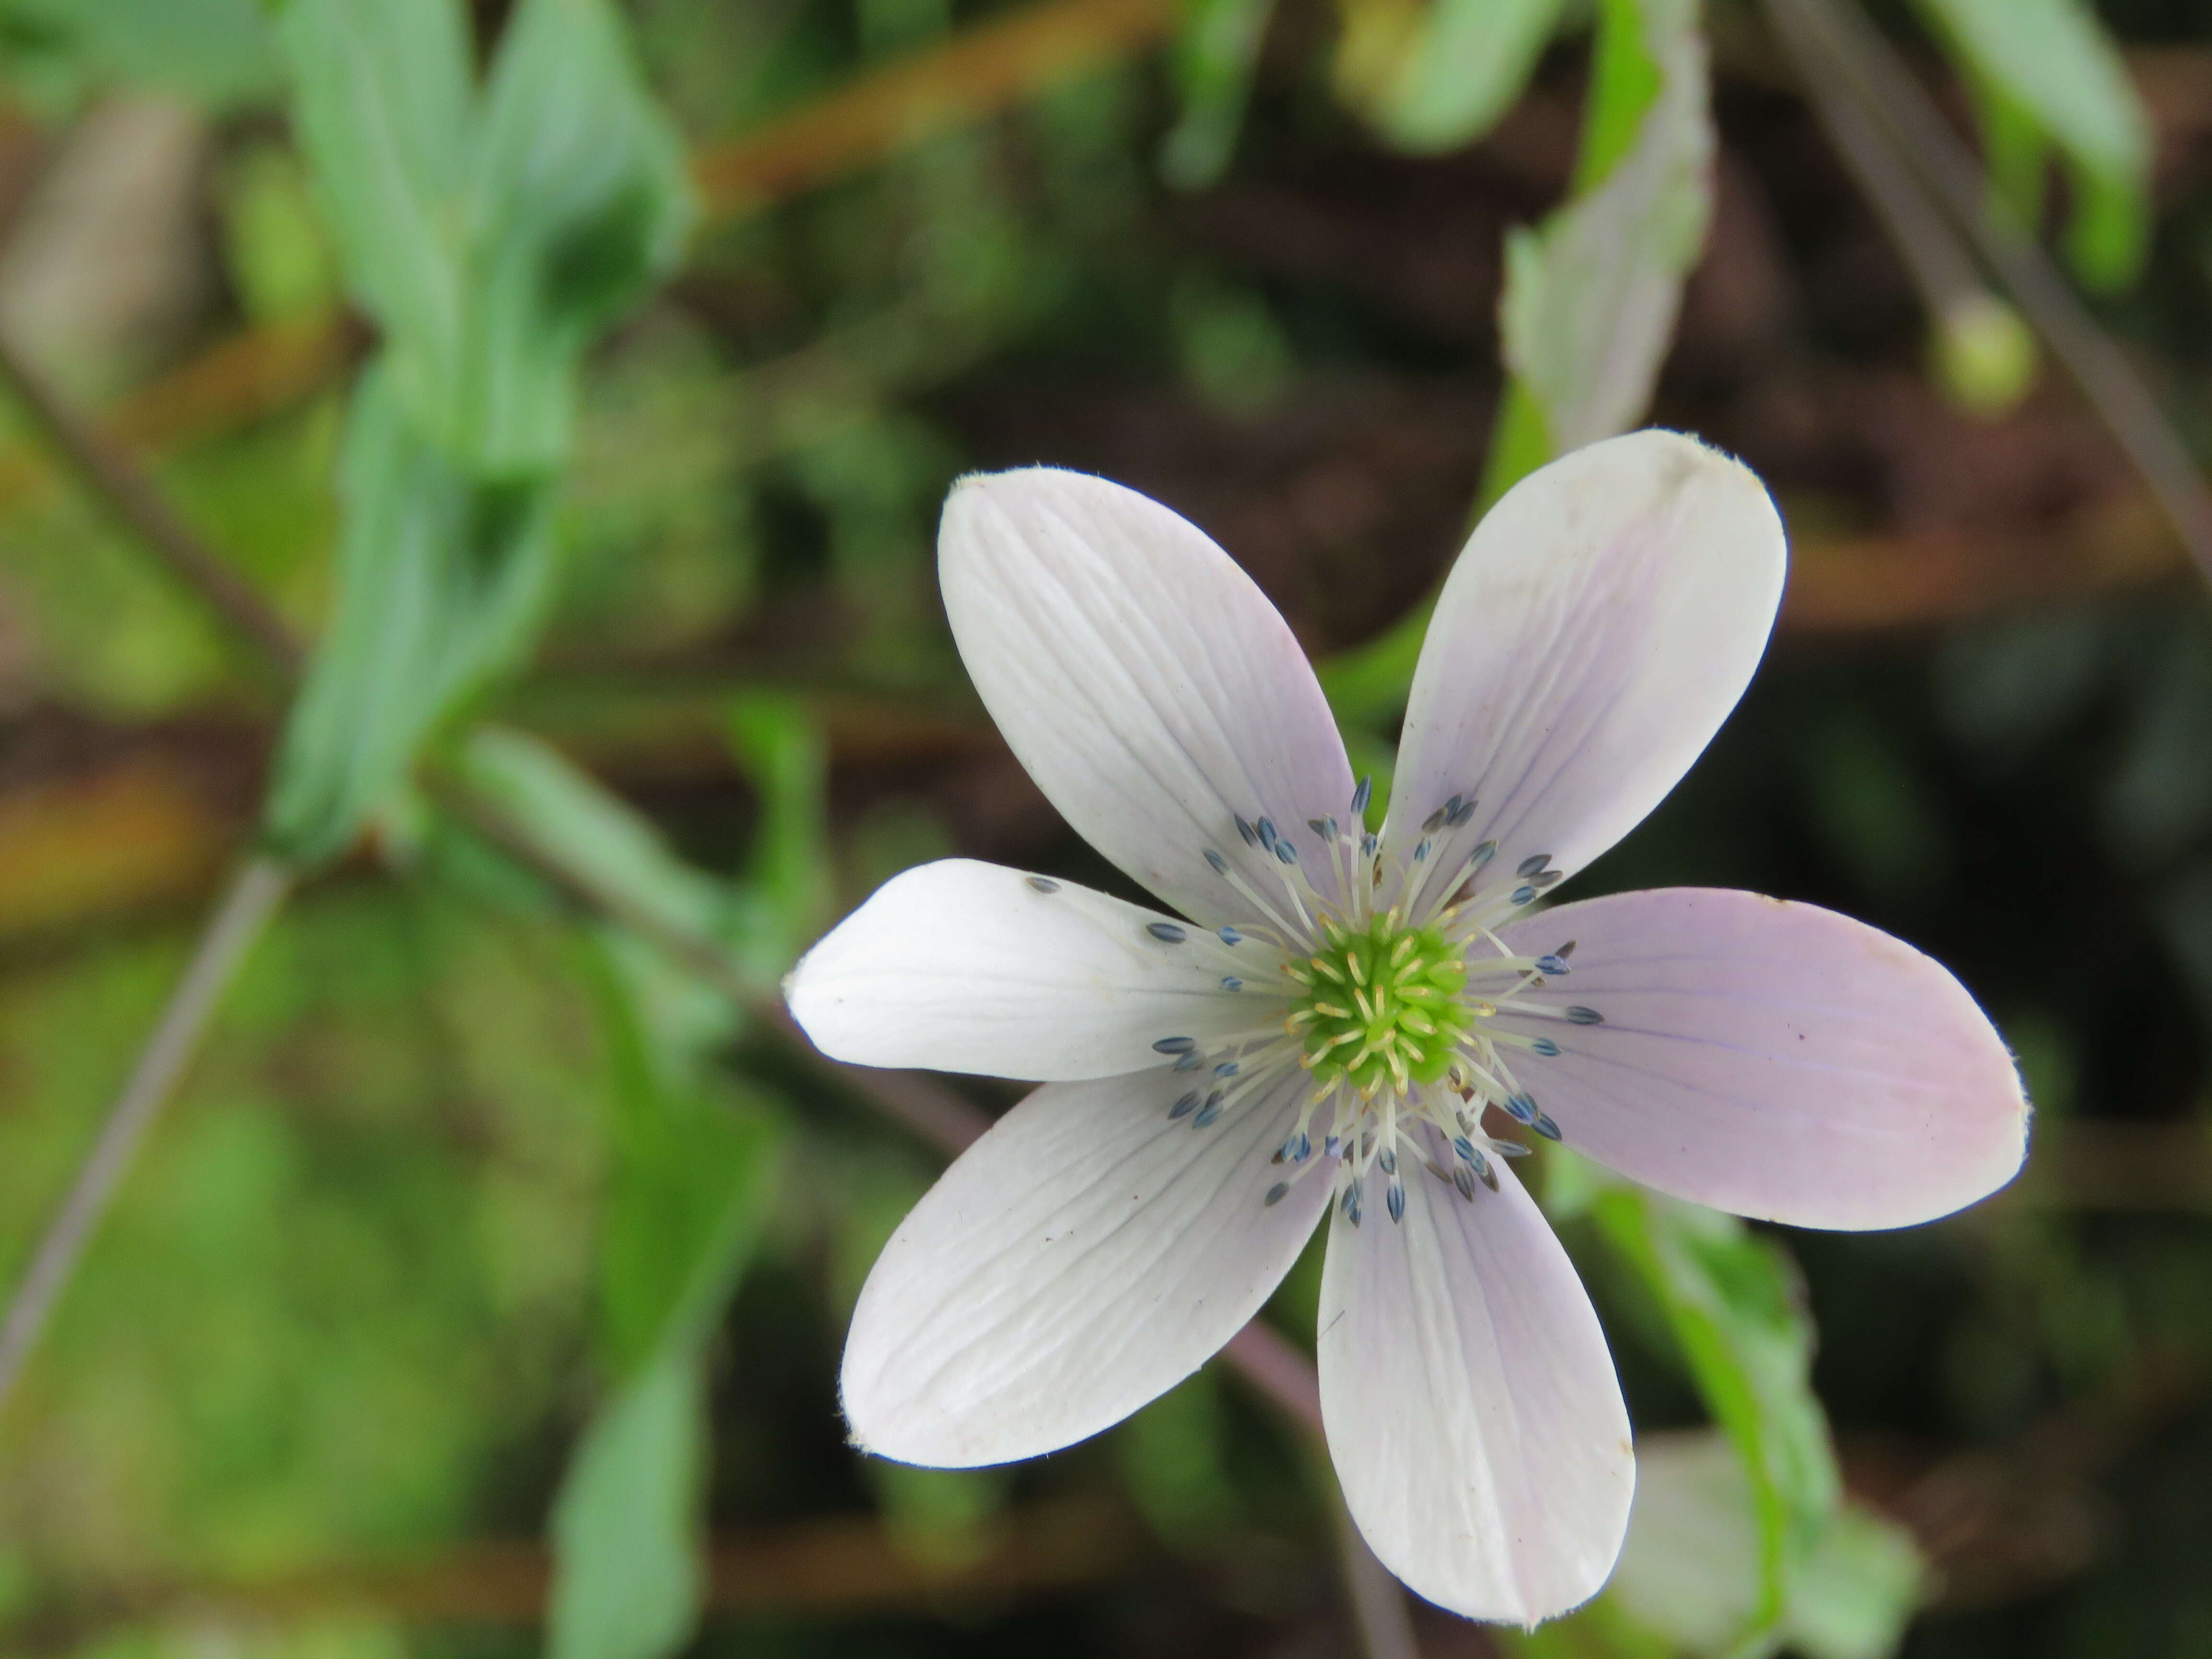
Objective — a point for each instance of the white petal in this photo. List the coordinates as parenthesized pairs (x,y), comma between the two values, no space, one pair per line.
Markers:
(1604,618)
(1082,1258)
(961,966)
(1775,1060)
(1146,682)
(1472,1409)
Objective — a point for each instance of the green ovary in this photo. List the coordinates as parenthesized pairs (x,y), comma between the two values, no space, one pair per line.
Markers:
(1382,1005)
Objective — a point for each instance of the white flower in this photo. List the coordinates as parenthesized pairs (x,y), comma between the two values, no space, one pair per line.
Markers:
(1340,1008)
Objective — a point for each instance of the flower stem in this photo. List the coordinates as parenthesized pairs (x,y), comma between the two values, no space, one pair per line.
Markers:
(252,898)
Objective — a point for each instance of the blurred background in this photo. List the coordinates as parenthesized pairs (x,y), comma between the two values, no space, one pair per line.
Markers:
(575,385)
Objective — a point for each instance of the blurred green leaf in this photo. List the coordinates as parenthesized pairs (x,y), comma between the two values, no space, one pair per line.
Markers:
(441,580)
(587,829)
(1465,64)
(382,105)
(491,242)
(280,259)
(1215,52)
(1591,294)
(1688,1572)
(215,52)
(694,1173)
(1733,1301)
(2045,73)
(581,199)
(627,1581)
(789,885)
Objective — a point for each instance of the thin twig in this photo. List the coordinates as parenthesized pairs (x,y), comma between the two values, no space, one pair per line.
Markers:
(252,898)
(115,478)
(1834,45)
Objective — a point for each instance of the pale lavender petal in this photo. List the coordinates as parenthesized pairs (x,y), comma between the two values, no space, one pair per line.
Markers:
(960,966)
(1603,620)
(1472,1409)
(1146,684)
(1086,1255)
(1775,1060)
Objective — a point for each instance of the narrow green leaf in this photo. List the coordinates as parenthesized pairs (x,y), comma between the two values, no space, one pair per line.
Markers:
(1591,296)
(1733,1302)
(628,1580)
(694,1174)
(788,887)
(2051,62)
(382,106)
(441,581)
(1215,52)
(580,200)
(593,831)
(1465,65)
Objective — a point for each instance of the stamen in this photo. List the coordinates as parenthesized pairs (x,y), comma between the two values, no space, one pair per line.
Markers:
(1166,932)
(1362,795)
(1174,1045)
(1043,884)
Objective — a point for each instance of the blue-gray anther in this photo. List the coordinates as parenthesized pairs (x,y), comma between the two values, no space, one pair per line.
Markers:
(1462,813)
(1189,1062)
(1166,932)
(1544,1126)
(1578,1016)
(1362,795)
(1231,983)
(1554,965)
(1297,1149)
(1251,836)
(1209,1112)
(1231,936)
(1512,1148)
(1463,1178)
(1220,864)
(1529,867)
(1389,1160)
(1286,852)
(1395,1197)
(1484,853)
(1044,884)
(1184,1106)
(1482,1168)
(1174,1045)
(1227,1068)
(1421,851)
(1435,821)
(1331,1145)
(1465,1148)
(1328,826)
(1545,1047)
(1521,1108)
(1524,895)
(1266,831)
(1545,877)
(1368,843)
(1275,1193)
(1320,827)
(1564,950)
(1352,1203)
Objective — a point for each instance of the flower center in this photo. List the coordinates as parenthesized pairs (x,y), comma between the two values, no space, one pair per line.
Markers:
(1380,1004)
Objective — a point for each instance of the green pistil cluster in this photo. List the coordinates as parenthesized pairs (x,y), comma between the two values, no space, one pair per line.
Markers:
(1380,1005)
